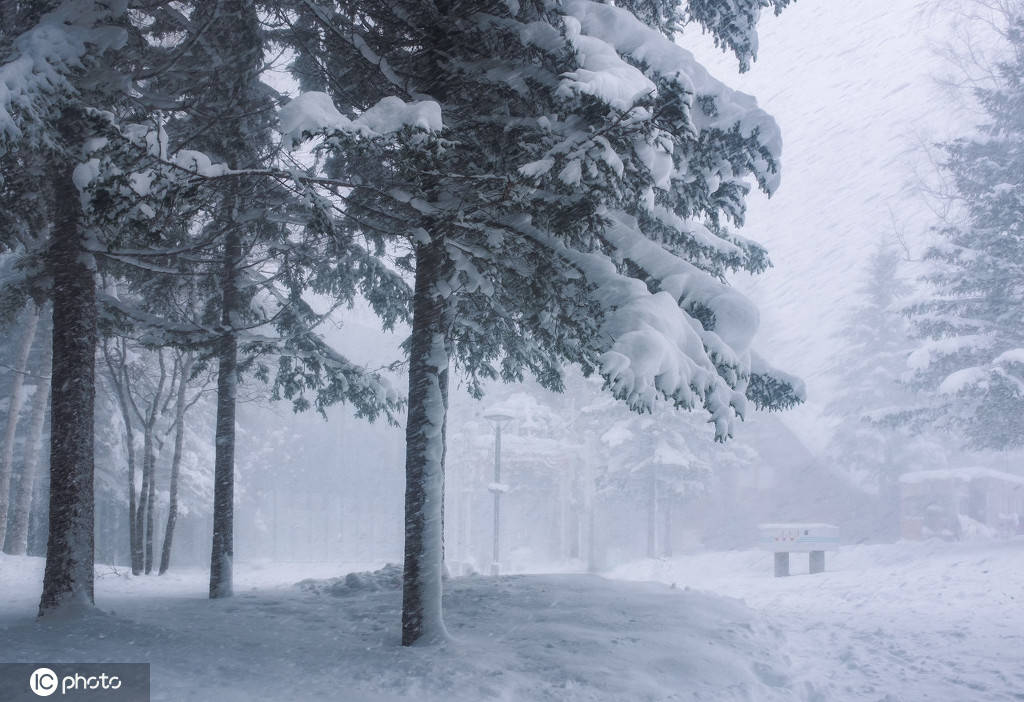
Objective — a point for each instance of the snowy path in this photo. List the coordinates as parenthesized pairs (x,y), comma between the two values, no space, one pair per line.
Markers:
(899,623)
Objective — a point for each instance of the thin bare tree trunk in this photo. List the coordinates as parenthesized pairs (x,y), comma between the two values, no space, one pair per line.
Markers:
(150,511)
(180,404)
(14,414)
(17,537)
(119,379)
(140,514)
(149,461)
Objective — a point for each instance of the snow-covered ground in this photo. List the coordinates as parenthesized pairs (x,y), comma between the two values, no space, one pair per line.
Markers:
(887,623)
(909,622)
(550,637)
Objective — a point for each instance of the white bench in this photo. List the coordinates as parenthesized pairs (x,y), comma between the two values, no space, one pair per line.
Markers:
(783,539)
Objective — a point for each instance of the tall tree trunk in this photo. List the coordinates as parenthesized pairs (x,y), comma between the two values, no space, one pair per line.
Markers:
(141,510)
(17,537)
(13,414)
(119,378)
(422,618)
(68,576)
(222,552)
(150,506)
(150,446)
(179,439)
(134,540)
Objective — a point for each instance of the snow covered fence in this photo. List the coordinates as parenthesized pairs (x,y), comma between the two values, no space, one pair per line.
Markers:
(784,539)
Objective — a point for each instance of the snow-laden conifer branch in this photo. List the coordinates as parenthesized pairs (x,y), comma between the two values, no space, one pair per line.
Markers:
(36,77)
(733,24)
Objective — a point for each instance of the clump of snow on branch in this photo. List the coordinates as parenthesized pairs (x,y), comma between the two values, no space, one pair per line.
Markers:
(652,349)
(314,112)
(605,36)
(923,356)
(962,379)
(32,85)
(688,341)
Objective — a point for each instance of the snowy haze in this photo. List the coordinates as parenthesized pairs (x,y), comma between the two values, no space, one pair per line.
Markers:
(628,562)
(854,89)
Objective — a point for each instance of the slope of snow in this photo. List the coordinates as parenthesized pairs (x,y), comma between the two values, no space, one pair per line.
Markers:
(553,637)
(904,622)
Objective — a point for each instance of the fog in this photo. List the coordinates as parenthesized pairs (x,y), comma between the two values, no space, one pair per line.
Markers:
(893,456)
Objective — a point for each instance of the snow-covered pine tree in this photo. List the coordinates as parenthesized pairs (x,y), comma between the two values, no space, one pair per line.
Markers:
(650,458)
(238,133)
(225,271)
(576,207)
(117,197)
(57,60)
(866,447)
(971,356)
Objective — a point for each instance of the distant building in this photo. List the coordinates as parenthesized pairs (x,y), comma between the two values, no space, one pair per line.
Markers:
(959,502)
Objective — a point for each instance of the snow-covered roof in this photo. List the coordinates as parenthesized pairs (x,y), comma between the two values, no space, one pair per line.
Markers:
(961,474)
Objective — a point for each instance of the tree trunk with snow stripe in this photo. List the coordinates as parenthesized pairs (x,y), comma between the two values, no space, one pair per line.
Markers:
(422,618)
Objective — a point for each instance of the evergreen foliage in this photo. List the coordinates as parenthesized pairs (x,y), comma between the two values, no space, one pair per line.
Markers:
(971,355)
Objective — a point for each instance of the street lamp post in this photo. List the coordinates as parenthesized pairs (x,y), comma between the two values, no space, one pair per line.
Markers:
(496,487)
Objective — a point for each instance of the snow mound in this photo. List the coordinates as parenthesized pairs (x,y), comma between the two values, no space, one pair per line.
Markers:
(569,638)
(387,578)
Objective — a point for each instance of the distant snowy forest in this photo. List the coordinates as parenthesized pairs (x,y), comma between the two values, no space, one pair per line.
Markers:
(473,288)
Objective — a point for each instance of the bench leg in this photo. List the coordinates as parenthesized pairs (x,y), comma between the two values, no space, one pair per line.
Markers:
(817,562)
(781,564)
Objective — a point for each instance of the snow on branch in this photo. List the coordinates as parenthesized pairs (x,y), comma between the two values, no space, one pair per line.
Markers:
(733,24)
(933,350)
(773,389)
(724,318)
(314,112)
(36,78)
(605,36)
(307,362)
(650,348)
(735,318)
(963,379)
